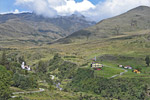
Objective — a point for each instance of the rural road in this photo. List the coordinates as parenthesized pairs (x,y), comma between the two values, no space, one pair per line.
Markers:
(119,74)
(40,90)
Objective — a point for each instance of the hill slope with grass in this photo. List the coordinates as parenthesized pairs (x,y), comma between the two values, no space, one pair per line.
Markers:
(128,46)
(31,28)
(134,20)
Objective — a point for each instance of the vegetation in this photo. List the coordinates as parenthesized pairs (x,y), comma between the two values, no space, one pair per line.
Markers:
(122,40)
(147,60)
(24,82)
(5,83)
(131,89)
(65,69)
(3,59)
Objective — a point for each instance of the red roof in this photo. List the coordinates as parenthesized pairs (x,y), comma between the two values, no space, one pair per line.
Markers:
(99,69)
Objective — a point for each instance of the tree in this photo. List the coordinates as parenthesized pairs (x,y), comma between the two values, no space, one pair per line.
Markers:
(56,56)
(5,82)
(3,59)
(88,35)
(21,59)
(42,67)
(24,82)
(117,29)
(147,60)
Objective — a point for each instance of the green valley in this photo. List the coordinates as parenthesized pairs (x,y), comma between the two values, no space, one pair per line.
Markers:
(62,68)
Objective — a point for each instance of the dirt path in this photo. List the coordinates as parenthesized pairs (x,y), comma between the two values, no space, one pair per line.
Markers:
(125,71)
(119,74)
(40,90)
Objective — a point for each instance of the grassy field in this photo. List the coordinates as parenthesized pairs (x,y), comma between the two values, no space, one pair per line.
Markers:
(110,52)
(59,95)
(108,72)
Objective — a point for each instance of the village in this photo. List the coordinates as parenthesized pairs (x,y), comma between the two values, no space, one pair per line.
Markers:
(98,66)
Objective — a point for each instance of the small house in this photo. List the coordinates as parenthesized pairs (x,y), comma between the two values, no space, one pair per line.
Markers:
(96,65)
(136,71)
(127,67)
(25,67)
(121,66)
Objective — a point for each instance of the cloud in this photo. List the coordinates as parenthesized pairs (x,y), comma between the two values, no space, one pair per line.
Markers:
(102,10)
(52,8)
(110,8)
(16,11)
(40,7)
(71,7)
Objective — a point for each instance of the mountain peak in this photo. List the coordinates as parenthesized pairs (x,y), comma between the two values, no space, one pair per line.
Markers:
(141,8)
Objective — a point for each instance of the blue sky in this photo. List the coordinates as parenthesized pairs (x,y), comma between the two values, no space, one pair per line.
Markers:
(9,6)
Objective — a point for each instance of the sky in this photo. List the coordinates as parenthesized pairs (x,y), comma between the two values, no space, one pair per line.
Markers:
(95,10)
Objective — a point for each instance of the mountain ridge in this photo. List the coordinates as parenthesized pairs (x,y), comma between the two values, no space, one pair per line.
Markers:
(31,27)
(136,19)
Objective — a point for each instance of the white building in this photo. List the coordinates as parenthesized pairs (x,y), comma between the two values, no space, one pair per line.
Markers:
(25,67)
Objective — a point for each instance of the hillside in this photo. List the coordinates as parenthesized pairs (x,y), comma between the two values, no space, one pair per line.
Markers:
(29,28)
(63,69)
(134,20)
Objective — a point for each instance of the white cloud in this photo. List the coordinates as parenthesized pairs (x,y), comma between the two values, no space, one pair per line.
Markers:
(51,8)
(105,9)
(40,7)
(71,7)
(111,8)
(16,11)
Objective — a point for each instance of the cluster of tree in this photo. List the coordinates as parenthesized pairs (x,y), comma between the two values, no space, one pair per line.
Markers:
(12,63)
(42,67)
(89,97)
(45,66)
(20,78)
(5,83)
(66,69)
(24,81)
(122,88)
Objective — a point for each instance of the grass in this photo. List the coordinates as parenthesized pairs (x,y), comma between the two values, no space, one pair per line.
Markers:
(130,74)
(108,72)
(15,89)
(82,52)
(57,95)
(130,48)
(126,52)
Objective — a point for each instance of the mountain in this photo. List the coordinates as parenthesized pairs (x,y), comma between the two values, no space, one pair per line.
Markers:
(134,20)
(29,27)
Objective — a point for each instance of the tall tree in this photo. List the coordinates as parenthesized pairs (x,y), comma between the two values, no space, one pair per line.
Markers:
(3,59)
(147,60)
(42,67)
